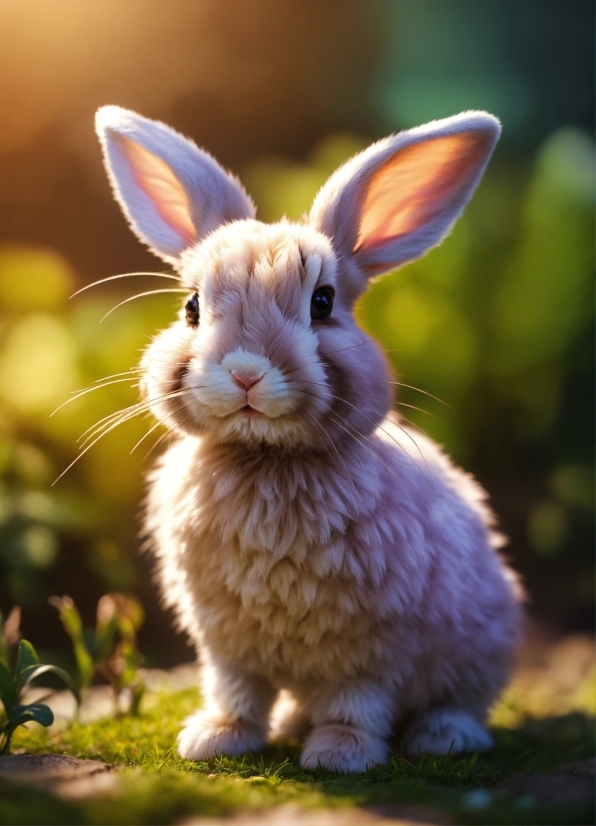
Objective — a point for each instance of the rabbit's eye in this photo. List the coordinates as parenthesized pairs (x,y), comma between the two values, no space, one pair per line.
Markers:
(192,310)
(321,303)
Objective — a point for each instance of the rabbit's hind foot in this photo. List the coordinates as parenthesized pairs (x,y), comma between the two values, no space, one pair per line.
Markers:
(205,737)
(343,749)
(446,731)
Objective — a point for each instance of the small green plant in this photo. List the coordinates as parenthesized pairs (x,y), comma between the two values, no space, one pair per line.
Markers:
(12,690)
(110,650)
(10,633)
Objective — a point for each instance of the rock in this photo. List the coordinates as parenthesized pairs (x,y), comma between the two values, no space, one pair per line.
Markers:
(56,766)
(580,768)
(57,773)
(572,783)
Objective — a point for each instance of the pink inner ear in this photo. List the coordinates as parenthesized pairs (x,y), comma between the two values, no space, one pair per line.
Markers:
(159,183)
(418,183)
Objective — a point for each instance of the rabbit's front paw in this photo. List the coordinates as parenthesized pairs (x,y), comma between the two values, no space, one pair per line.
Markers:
(446,731)
(204,737)
(343,749)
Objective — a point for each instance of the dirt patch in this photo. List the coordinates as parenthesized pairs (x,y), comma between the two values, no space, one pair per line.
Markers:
(59,774)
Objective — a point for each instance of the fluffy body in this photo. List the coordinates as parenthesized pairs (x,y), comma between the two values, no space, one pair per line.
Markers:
(313,546)
(366,610)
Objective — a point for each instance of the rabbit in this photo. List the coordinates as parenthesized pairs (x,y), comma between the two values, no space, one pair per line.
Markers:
(339,576)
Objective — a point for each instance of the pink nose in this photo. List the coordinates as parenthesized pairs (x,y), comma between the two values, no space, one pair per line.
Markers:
(246,381)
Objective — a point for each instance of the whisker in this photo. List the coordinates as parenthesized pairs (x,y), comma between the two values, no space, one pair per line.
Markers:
(372,453)
(418,390)
(380,427)
(370,396)
(342,349)
(89,390)
(110,416)
(339,456)
(155,426)
(142,439)
(171,432)
(316,356)
(123,373)
(112,426)
(138,407)
(153,447)
(145,404)
(397,384)
(385,466)
(119,417)
(407,421)
(428,480)
(82,453)
(116,419)
(142,295)
(413,407)
(123,275)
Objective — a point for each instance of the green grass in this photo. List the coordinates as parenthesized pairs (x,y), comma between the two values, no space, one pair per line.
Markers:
(534,733)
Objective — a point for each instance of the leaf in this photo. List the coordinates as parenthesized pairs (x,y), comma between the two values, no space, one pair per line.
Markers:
(9,633)
(8,689)
(71,619)
(27,656)
(85,661)
(3,651)
(472,761)
(73,625)
(138,692)
(105,636)
(34,671)
(8,731)
(38,712)
(125,607)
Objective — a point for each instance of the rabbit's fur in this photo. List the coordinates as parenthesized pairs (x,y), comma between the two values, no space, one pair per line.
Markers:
(313,544)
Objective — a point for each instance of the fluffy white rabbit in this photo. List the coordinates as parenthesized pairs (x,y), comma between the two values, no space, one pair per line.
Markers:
(308,541)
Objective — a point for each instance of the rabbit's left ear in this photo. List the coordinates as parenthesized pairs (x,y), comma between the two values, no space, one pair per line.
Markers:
(400,197)
(172,192)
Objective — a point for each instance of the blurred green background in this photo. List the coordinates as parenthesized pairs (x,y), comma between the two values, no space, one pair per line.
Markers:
(498,322)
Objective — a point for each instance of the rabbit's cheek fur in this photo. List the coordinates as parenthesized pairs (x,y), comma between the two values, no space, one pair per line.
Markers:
(359,384)
(164,365)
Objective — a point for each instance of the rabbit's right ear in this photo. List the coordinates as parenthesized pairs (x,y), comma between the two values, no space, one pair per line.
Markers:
(400,197)
(172,192)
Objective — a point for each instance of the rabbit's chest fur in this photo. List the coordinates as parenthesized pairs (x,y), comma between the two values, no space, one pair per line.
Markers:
(302,568)
(262,556)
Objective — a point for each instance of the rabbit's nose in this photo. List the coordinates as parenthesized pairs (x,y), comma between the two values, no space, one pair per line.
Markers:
(246,380)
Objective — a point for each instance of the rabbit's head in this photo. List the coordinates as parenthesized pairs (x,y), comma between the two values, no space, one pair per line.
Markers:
(266,348)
